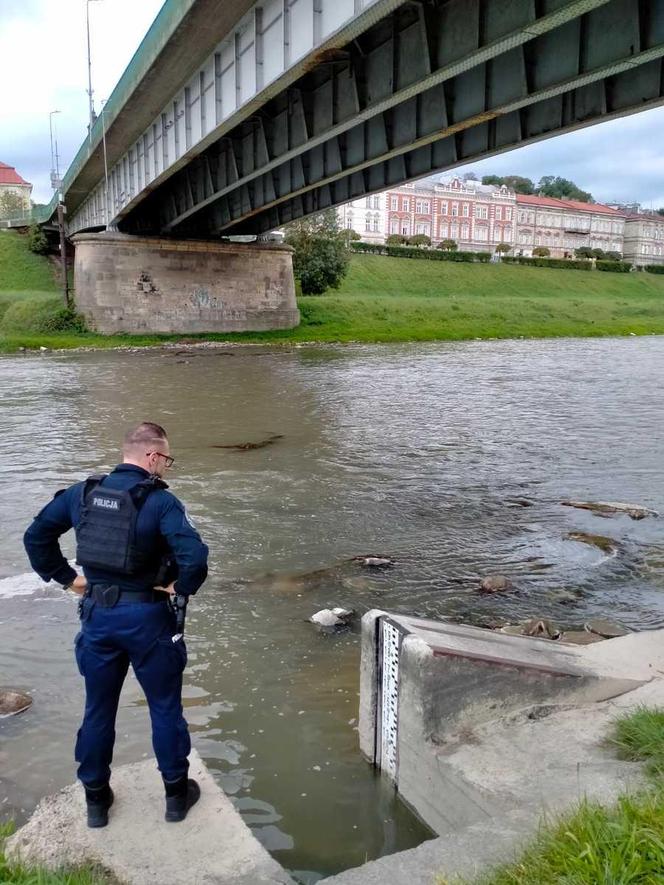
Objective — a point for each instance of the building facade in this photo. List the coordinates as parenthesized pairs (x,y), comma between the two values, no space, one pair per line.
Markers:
(644,238)
(365,216)
(562,226)
(12,183)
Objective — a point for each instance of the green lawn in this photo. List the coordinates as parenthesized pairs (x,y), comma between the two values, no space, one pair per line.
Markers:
(381,299)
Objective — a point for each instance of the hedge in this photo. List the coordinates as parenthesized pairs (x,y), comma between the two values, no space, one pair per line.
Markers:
(413,252)
(654,268)
(614,266)
(564,263)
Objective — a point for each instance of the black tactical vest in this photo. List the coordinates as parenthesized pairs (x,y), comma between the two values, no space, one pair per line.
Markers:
(106,533)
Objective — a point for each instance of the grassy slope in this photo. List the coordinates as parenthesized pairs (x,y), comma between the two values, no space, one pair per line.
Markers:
(390,299)
(594,845)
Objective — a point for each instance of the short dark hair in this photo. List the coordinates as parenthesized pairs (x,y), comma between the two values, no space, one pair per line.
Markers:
(144,434)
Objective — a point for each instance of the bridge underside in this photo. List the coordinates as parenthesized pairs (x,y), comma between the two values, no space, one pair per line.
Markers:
(435,84)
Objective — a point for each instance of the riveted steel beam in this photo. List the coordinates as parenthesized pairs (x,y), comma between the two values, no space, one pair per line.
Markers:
(405,55)
(453,117)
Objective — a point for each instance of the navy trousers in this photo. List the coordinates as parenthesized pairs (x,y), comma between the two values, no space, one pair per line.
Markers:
(110,639)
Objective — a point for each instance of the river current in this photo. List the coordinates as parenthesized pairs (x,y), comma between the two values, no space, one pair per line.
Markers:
(450,458)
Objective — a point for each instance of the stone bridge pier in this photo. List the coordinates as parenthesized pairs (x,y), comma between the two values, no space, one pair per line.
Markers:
(143,284)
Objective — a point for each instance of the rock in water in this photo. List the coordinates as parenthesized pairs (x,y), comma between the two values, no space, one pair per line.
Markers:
(332,620)
(580,637)
(606,629)
(542,629)
(13,702)
(606,545)
(374,561)
(610,507)
(495,584)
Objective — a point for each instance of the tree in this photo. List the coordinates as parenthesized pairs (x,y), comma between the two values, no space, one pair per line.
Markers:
(599,253)
(660,211)
(320,259)
(396,240)
(613,256)
(562,188)
(419,240)
(37,241)
(12,205)
(448,245)
(517,183)
(470,176)
(583,252)
(541,252)
(503,248)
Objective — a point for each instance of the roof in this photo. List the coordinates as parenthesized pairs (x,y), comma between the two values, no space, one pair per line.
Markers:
(577,205)
(643,216)
(9,175)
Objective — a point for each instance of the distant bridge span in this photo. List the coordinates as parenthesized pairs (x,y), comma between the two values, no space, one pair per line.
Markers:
(237,118)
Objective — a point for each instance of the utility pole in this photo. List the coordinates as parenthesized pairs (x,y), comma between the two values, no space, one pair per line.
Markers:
(63,249)
(55,170)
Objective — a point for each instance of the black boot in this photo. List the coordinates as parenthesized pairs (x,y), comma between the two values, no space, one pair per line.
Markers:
(180,796)
(98,800)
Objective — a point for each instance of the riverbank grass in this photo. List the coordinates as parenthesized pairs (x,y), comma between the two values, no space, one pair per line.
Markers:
(623,843)
(17,875)
(381,300)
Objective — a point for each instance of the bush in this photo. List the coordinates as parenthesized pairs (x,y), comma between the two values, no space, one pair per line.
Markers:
(503,248)
(396,240)
(448,245)
(564,263)
(64,320)
(654,268)
(613,256)
(419,240)
(614,266)
(37,241)
(413,252)
(45,315)
(584,252)
(320,258)
(541,252)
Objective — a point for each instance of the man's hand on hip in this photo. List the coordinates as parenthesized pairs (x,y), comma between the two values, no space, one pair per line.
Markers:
(170,589)
(78,585)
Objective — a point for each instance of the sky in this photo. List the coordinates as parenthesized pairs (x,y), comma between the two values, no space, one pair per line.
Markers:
(43,67)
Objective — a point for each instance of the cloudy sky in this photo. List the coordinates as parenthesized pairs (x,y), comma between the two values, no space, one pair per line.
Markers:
(43,67)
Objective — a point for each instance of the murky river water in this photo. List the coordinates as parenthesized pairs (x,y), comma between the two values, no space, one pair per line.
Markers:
(413,451)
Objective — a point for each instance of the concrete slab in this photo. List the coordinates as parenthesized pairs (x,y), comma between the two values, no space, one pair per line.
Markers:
(213,846)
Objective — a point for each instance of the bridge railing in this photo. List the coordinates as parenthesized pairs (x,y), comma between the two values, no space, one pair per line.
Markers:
(27,217)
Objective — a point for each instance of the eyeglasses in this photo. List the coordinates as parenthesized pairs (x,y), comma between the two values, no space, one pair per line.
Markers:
(167,458)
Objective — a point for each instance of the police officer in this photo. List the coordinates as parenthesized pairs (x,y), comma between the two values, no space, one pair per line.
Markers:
(138,550)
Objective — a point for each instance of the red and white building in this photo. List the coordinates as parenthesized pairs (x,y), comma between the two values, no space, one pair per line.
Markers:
(11,182)
(644,238)
(565,225)
(476,216)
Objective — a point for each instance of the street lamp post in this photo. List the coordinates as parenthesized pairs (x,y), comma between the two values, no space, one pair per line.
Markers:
(103,130)
(55,171)
(91,102)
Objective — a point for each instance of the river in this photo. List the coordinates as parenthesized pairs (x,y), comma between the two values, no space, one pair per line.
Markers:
(416,451)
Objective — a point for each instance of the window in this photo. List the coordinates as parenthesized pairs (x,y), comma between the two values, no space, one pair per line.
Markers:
(367,223)
(394,203)
(423,228)
(481,212)
(444,230)
(375,223)
(394,226)
(465,231)
(376,201)
(454,231)
(406,205)
(482,233)
(508,233)
(405,227)
(499,212)
(455,209)
(508,213)
(466,210)
(422,207)
(443,208)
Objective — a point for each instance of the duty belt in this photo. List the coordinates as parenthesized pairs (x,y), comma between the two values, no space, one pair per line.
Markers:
(108,595)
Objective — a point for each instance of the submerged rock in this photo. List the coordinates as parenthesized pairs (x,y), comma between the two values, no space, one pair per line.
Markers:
(606,545)
(495,584)
(608,508)
(332,620)
(606,629)
(580,637)
(250,446)
(13,701)
(541,627)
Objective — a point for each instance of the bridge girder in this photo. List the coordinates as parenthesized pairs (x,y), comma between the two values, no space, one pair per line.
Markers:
(435,84)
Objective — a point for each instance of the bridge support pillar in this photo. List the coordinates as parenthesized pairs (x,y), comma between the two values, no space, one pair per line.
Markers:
(143,284)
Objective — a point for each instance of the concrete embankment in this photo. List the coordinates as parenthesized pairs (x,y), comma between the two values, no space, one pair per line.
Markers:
(494,736)
(213,845)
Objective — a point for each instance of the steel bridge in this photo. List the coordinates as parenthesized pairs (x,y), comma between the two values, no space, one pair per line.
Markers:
(237,118)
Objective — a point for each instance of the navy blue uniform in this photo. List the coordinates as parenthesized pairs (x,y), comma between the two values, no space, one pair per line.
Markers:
(129,632)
